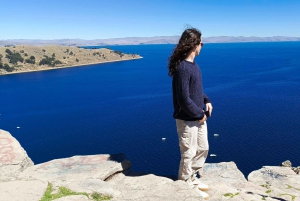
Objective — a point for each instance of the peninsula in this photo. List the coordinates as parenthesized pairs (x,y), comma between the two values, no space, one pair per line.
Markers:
(19,59)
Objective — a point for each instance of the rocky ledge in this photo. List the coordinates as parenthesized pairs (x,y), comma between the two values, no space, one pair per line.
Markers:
(104,176)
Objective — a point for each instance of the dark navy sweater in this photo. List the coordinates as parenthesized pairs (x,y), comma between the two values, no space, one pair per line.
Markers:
(188,96)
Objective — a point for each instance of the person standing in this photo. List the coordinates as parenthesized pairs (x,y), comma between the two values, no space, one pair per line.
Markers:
(188,102)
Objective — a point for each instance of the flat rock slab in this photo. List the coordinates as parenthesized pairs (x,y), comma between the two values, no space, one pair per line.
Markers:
(91,186)
(271,183)
(151,188)
(225,172)
(223,179)
(13,158)
(280,182)
(22,190)
(73,198)
(274,174)
(78,168)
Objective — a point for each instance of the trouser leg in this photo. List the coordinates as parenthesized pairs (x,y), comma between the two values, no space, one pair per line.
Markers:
(202,149)
(187,134)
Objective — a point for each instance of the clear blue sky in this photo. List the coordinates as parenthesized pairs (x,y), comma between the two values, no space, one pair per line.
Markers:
(101,19)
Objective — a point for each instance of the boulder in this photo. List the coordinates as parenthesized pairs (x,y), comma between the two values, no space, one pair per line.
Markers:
(286,163)
(13,158)
(67,170)
(296,169)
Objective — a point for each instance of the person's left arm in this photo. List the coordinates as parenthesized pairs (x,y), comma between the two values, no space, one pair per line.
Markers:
(207,103)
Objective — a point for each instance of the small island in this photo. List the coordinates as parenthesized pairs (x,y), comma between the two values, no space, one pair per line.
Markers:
(19,59)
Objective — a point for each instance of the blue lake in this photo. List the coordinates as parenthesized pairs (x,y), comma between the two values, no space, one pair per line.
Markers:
(126,107)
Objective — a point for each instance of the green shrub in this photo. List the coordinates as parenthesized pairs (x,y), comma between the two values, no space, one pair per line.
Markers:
(14,57)
(46,61)
(8,68)
(57,62)
(8,52)
(30,61)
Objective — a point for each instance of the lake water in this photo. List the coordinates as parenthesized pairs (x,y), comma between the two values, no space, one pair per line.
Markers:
(126,107)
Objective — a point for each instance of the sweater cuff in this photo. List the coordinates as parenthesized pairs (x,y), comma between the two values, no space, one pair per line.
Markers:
(207,100)
(201,117)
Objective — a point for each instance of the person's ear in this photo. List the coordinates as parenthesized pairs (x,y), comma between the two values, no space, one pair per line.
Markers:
(195,48)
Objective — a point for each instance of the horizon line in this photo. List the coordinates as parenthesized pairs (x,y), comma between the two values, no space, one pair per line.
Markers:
(151,37)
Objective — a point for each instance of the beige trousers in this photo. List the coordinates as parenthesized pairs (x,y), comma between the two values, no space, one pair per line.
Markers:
(194,146)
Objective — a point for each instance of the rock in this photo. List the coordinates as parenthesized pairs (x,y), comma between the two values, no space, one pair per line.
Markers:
(286,163)
(226,172)
(279,182)
(91,186)
(296,169)
(22,190)
(289,164)
(77,168)
(105,174)
(13,158)
(272,174)
(74,198)
(150,187)
(225,181)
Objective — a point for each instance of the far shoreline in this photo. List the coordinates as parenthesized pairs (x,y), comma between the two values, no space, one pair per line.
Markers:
(54,68)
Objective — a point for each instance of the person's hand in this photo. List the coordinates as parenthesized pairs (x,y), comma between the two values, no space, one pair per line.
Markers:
(209,108)
(203,119)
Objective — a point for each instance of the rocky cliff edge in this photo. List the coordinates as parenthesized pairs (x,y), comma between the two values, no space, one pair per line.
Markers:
(106,176)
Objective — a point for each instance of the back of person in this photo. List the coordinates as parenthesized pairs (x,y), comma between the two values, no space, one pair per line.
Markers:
(188,102)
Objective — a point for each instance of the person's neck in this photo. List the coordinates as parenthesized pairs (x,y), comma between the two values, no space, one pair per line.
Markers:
(191,57)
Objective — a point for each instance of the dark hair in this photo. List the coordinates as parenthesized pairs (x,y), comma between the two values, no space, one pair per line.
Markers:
(189,39)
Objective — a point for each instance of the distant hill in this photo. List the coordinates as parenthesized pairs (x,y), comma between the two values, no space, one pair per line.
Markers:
(143,40)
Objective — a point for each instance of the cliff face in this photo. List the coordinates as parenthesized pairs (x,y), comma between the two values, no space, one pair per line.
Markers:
(109,175)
